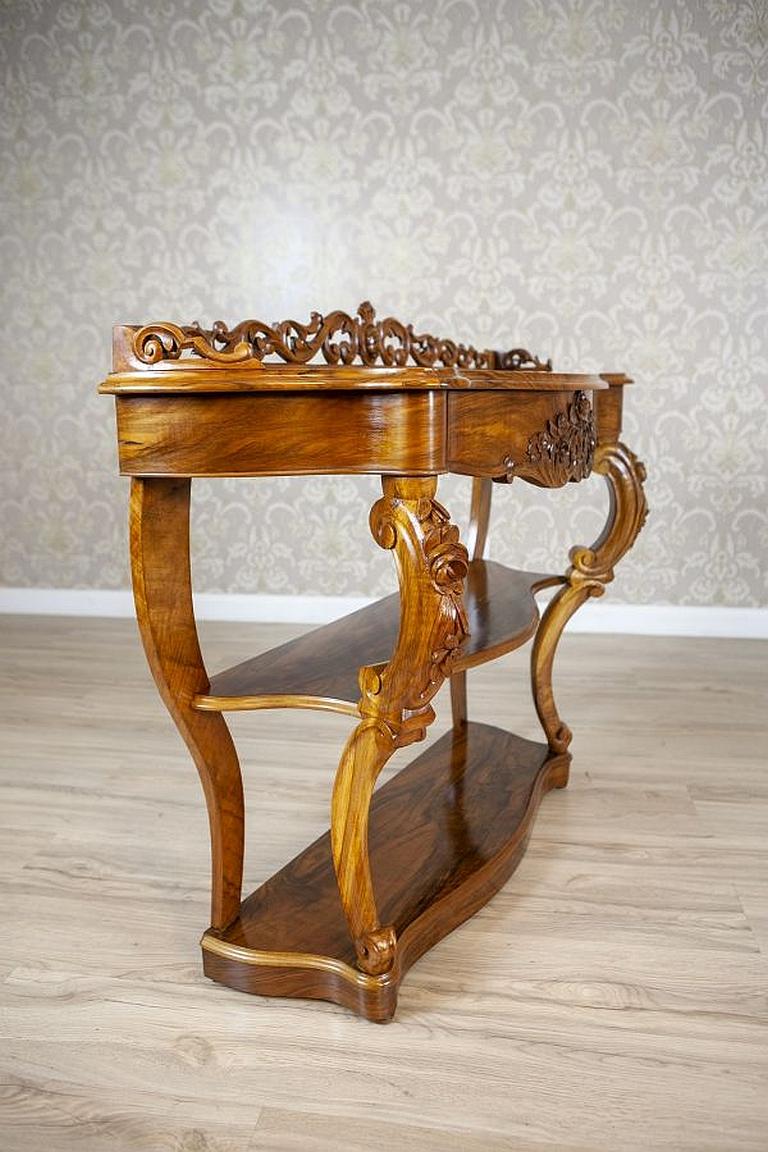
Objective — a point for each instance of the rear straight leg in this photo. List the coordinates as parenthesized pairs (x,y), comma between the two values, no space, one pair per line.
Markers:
(477,535)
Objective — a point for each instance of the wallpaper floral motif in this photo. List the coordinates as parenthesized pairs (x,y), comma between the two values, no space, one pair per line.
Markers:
(588,178)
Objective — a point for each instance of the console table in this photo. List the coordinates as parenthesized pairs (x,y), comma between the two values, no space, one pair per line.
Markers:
(400,868)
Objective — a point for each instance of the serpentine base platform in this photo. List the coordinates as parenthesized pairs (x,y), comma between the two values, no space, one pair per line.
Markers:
(445,834)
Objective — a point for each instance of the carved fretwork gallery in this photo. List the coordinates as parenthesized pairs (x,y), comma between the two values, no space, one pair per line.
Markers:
(402,866)
(338,337)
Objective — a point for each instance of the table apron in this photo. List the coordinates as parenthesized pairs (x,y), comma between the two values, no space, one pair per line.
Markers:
(258,434)
(490,434)
(397,433)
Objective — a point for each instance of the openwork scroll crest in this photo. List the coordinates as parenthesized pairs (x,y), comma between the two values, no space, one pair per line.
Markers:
(338,338)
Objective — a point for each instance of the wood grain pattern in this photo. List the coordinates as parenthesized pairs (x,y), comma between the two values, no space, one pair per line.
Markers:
(498,434)
(283,434)
(321,668)
(187,377)
(162,589)
(546,438)
(445,834)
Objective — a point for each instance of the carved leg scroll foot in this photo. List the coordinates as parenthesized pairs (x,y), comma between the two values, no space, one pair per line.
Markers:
(395,699)
(163,594)
(591,569)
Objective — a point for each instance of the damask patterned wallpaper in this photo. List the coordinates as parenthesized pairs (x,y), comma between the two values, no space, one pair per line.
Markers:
(586,177)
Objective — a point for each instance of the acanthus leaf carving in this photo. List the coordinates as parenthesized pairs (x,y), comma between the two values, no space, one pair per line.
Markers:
(565,449)
(448,563)
(422,533)
(395,695)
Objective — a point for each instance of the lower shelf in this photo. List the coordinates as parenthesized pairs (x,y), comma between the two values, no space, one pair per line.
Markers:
(321,669)
(445,834)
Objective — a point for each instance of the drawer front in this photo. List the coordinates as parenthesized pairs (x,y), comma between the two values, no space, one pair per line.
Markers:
(546,438)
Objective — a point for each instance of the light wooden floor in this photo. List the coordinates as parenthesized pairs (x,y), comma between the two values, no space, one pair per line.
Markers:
(613,996)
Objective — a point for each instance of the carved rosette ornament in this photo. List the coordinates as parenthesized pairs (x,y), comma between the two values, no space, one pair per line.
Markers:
(338,337)
(395,708)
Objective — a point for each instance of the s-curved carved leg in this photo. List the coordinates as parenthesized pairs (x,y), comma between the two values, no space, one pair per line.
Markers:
(395,704)
(162,591)
(591,569)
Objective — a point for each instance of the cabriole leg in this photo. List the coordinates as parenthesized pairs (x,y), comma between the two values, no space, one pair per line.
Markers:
(591,569)
(162,589)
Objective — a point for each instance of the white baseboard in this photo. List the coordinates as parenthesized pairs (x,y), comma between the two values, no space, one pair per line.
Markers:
(599,616)
(208,605)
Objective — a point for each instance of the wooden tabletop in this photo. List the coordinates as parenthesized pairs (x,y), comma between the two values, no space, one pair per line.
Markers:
(253,376)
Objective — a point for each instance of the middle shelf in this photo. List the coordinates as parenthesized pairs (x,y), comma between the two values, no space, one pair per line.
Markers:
(320,669)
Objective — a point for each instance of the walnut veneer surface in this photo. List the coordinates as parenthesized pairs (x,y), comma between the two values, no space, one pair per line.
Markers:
(398,871)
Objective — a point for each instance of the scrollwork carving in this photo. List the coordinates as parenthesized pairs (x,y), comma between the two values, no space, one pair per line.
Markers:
(394,705)
(590,570)
(338,337)
(427,536)
(375,950)
(155,342)
(519,359)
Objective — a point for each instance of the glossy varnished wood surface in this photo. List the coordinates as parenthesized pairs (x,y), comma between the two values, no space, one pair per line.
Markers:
(321,668)
(611,996)
(224,433)
(337,350)
(285,434)
(444,835)
(488,433)
(545,436)
(190,376)
(162,592)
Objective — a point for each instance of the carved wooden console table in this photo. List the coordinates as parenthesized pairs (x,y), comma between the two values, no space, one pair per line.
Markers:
(401,868)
